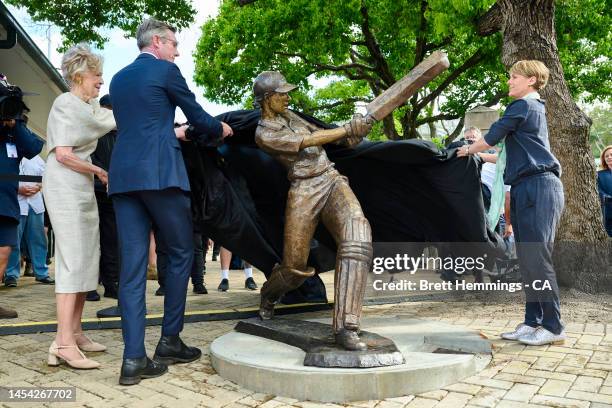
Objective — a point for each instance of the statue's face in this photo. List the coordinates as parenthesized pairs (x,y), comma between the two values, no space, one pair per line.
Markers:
(278,102)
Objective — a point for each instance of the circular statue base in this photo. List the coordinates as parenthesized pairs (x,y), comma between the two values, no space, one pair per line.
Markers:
(436,354)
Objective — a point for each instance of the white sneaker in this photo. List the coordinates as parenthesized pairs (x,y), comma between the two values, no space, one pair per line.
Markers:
(542,336)
(520,331)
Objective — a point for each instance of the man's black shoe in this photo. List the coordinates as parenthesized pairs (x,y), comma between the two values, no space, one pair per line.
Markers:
(113,311)
(160,291)
(223,286)
(171,350)
(200,289)
(46,280)
(135,369)
(250,284)
(112,290)
(10,282)
(92,296)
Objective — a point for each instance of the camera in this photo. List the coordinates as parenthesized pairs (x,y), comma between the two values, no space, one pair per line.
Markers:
(12,106)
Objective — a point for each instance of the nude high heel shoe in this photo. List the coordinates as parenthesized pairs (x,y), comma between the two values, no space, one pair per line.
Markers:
(90,345)
(55,358)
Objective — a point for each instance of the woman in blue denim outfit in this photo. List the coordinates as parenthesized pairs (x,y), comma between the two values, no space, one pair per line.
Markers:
(536,198)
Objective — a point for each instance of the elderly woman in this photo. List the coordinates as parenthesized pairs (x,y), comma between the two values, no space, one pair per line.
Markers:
(75,123)
(604,185)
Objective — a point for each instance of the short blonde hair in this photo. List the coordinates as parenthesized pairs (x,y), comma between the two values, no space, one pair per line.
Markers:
(78,60)
(532,68)
(474,130)
(604,165)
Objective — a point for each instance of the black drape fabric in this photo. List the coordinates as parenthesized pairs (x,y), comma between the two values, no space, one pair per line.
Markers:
(409,190)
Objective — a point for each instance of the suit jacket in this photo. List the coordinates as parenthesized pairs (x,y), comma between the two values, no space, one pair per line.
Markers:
(101,157)
(147,155)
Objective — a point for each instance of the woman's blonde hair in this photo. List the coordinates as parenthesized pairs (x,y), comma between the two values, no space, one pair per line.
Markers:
(604,165)
(532,68)
(78,60)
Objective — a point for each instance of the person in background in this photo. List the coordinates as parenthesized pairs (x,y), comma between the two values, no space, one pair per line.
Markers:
(16,142)
(604,185)
(109,248)
(198,267)
(537,198)
(31,230)
(215,251)
(226,259)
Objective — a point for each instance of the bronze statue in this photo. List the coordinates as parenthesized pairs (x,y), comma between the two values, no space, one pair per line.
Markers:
(318,192)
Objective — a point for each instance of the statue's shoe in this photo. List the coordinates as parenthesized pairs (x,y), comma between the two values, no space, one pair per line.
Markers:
(350,340)
(266,309)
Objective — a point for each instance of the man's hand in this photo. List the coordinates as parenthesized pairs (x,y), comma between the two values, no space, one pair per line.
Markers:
(180,132)
(463,151)
(29,189)
(227,130)
(357,129)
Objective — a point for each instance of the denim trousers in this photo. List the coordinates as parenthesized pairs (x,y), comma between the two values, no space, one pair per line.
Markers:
(536,205)
(32,230)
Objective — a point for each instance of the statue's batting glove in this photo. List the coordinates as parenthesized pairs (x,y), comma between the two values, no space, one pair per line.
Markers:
(357,129)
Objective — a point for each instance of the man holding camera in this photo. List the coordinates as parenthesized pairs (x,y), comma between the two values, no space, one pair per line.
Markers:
(16,142)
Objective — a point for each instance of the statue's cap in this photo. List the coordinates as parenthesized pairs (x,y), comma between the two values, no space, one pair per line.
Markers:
(268,82)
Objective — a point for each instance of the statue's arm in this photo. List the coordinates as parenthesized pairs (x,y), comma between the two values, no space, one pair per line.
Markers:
(321,137)
(353,132)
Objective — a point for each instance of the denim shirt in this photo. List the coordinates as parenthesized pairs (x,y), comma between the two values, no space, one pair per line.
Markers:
(527,147)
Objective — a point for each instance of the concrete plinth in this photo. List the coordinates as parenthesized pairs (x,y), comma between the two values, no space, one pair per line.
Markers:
(434,353)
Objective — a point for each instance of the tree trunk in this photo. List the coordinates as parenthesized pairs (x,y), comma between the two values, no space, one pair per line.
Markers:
(582,248)
(409,125)
(433,132)
(389,128)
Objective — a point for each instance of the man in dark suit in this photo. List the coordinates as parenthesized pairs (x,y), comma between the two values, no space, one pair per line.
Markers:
(109,249)
(149,186)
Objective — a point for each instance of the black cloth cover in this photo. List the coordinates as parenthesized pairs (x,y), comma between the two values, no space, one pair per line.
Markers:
(410,191)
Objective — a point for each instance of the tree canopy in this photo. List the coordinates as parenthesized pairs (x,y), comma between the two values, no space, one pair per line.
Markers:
(358,48)
(85,20)
(601,130)
(351,50)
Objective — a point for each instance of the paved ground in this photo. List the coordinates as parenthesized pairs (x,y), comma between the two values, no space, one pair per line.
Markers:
(577,374)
